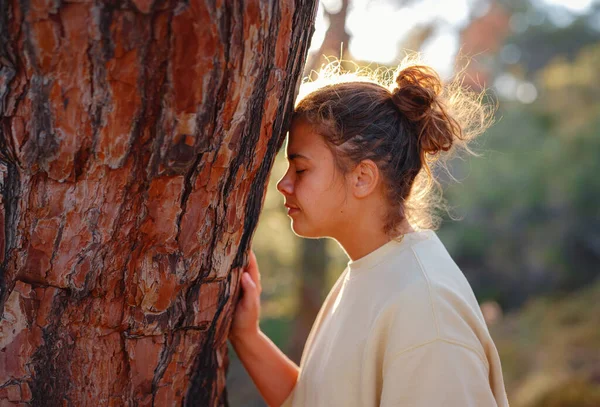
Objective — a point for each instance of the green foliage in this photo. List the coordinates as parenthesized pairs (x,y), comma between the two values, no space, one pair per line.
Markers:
(550,350)
(575,392)
(278,330)
(529,205)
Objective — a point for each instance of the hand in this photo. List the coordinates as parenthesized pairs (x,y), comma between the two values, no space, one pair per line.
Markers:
(247,311)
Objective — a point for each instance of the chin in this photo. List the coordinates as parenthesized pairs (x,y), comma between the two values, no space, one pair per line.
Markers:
(301,230)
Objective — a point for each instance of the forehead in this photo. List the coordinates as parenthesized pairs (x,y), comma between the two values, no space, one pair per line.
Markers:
(303,139)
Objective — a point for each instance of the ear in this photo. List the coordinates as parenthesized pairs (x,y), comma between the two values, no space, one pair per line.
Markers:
(364,178)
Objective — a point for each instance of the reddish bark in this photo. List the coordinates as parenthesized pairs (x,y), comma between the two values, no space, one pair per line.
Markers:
(136,140)
(484,36)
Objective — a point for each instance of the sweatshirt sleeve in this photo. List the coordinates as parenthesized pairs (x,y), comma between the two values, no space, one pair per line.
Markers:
(438,373)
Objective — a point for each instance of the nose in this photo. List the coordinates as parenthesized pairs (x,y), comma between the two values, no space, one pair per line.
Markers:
(285,185)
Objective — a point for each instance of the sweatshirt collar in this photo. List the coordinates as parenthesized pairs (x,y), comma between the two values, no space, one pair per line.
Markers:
(375,257)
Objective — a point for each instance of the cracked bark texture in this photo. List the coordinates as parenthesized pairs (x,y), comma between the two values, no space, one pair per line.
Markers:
(136,139)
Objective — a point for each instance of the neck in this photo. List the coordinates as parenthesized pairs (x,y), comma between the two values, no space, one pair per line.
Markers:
(364,238)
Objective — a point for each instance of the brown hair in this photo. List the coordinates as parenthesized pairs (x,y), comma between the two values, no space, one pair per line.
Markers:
(405,128)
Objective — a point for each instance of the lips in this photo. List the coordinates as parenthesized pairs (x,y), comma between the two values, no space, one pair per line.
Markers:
(292,208)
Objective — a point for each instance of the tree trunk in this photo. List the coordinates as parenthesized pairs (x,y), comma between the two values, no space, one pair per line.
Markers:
(136,140)
(336,41)
(313,267)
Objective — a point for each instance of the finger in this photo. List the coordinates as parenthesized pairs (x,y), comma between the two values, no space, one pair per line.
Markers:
(252,268)
(250,290)
(248,284)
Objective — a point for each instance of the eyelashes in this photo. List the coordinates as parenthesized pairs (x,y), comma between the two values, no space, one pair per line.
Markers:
(299,172)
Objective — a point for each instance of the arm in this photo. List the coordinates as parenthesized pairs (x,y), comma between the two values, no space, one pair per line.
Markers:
(271,371)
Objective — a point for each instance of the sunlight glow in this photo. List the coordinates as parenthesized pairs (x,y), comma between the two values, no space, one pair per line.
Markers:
(440,51)
(377,28)
(375,33)
(321,24)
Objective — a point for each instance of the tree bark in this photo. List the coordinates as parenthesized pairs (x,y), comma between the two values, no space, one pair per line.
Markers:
(136,140)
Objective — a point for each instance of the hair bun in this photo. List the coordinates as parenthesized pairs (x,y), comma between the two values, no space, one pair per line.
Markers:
(418,87)
(417,97)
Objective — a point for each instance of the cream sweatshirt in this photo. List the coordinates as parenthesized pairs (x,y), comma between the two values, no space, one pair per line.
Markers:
(400,327)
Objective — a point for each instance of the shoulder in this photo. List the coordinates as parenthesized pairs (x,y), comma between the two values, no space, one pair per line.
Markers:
(429,300)
(457,313)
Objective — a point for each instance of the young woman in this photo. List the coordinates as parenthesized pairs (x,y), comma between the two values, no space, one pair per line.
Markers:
(401,326)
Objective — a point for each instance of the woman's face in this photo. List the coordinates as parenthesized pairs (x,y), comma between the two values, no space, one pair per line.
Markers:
(312,186)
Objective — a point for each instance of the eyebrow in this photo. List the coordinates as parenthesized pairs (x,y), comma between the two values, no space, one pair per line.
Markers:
(294,156)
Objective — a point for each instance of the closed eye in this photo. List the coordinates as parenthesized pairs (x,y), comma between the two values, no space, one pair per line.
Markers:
(298,172)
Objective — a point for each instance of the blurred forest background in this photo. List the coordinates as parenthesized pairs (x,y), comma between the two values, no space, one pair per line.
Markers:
(528,238)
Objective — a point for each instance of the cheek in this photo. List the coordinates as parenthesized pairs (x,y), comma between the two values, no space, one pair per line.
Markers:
(322,198)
